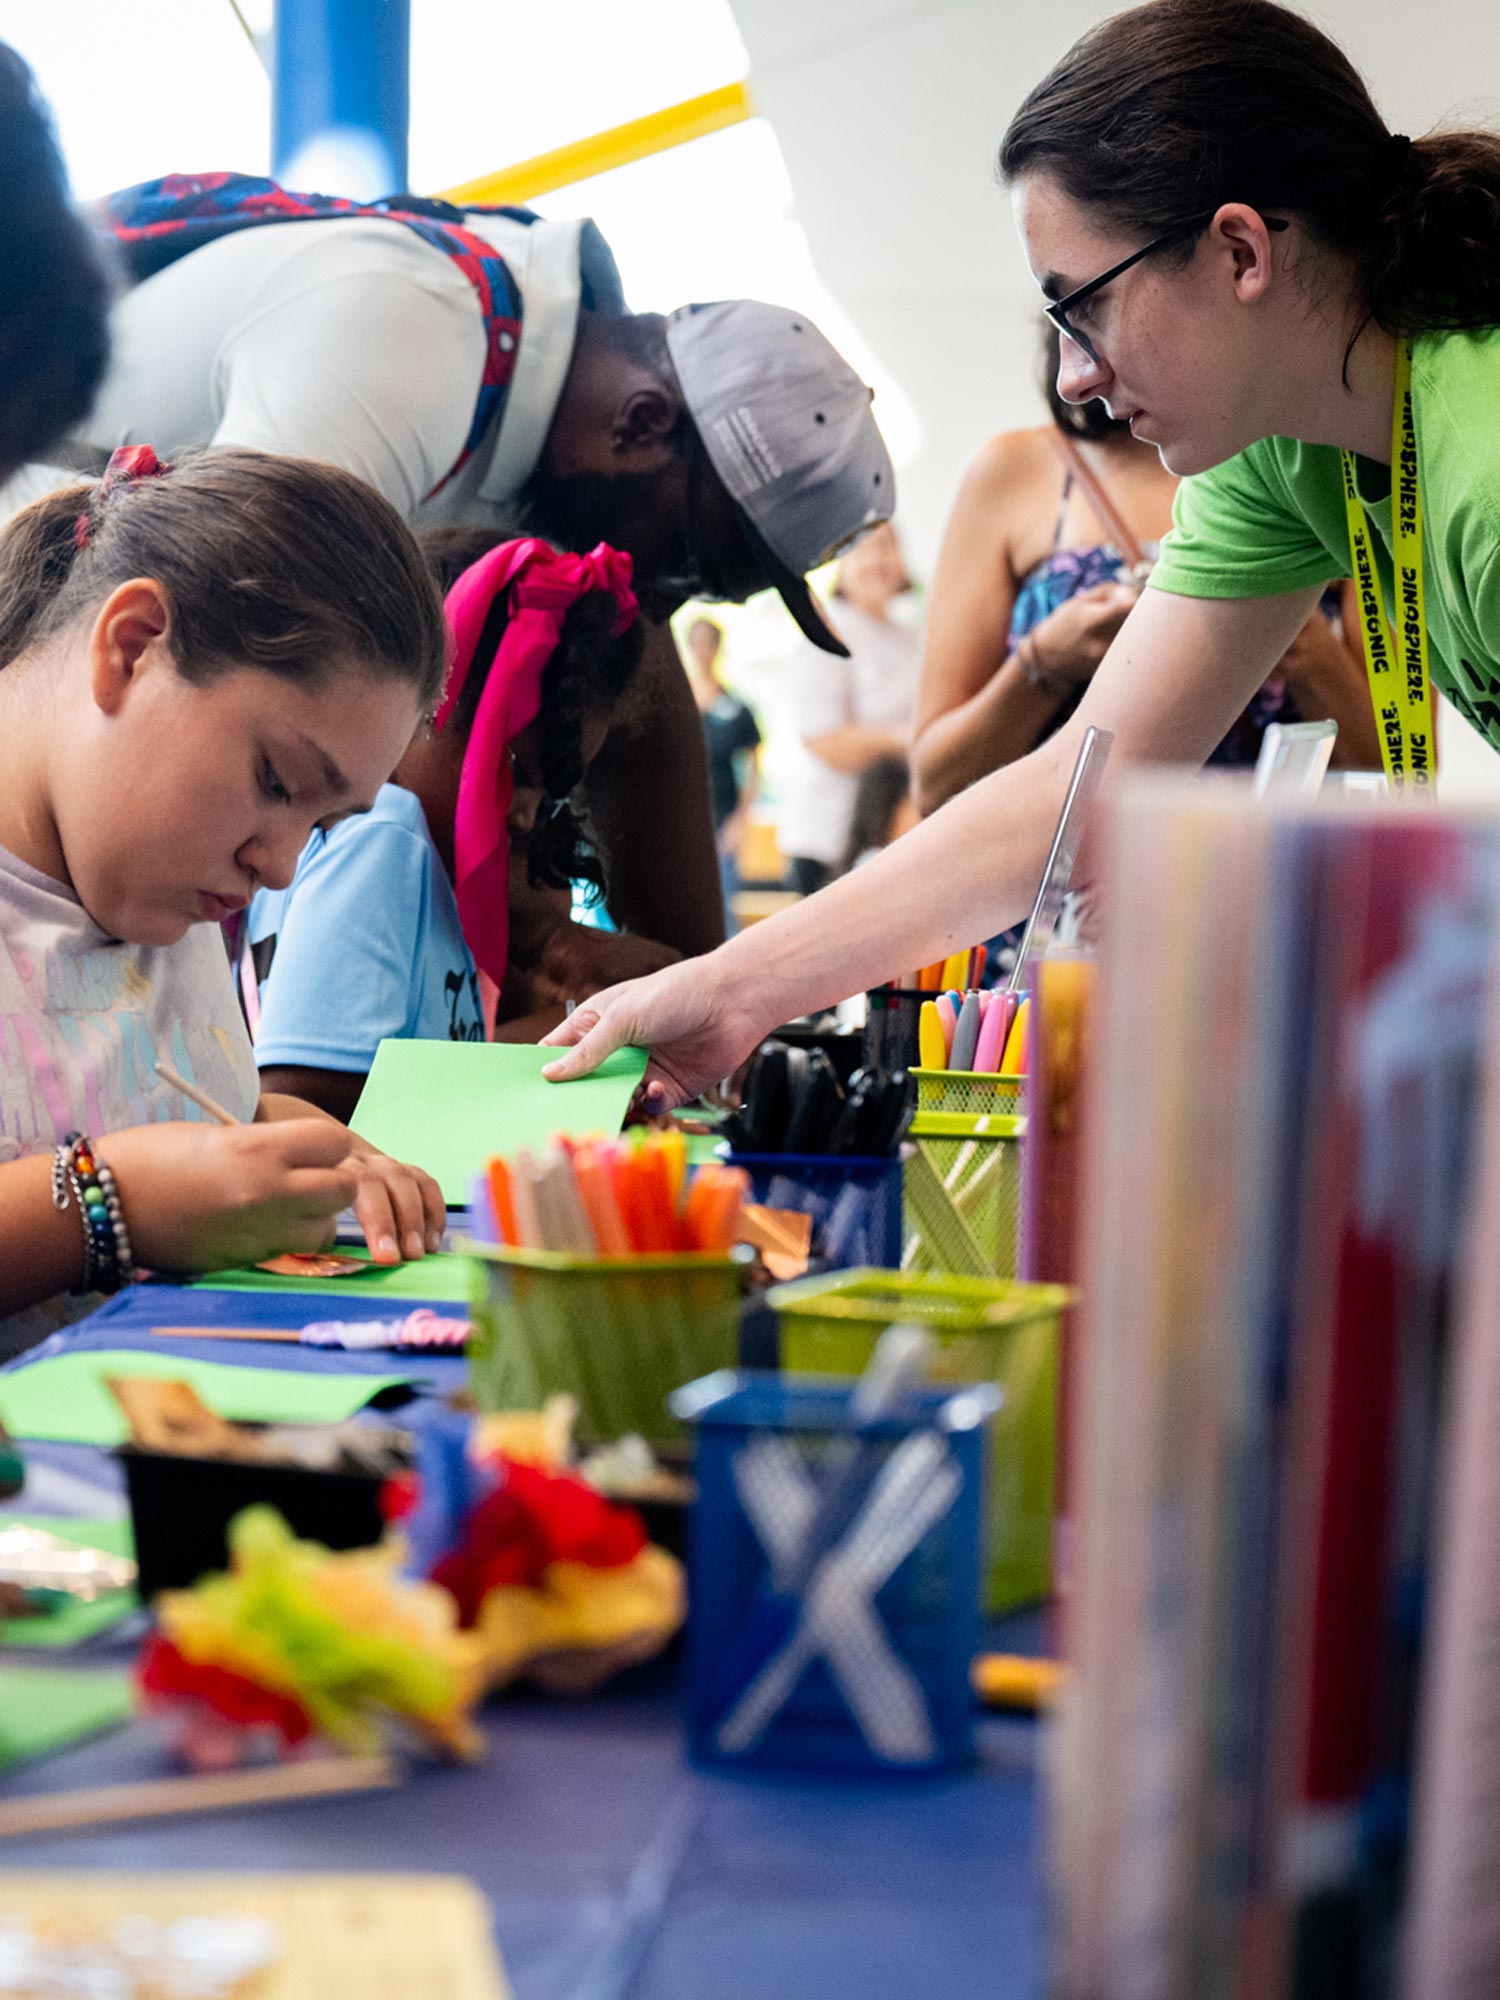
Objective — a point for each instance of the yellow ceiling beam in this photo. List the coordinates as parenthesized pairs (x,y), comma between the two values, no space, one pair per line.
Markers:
(638,139)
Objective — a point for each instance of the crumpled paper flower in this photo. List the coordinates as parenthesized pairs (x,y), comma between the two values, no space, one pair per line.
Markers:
(308,1641)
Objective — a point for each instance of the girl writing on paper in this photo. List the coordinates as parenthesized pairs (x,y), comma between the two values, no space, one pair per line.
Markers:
(198,665)
(391,919)
(1284,297)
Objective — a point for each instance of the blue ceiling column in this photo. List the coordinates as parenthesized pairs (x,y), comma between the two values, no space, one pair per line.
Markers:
(340,98)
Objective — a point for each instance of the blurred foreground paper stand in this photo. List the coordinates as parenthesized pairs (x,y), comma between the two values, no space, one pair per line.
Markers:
(1297,1004)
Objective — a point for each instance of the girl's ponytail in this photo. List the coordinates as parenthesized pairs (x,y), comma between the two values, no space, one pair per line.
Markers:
(37,553)
(1435,261)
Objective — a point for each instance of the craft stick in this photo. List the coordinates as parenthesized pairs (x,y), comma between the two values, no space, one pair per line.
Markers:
(285,1333)
(196,1096)
(214,1791)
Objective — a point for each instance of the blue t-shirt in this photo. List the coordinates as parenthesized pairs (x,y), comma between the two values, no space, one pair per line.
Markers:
(365,945)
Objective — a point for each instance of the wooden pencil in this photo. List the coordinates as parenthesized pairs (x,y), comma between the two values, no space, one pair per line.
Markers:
(196,1096)
(214,1791)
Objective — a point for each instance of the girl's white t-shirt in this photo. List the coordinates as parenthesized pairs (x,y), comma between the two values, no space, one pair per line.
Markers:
(876,687)
(84,1019)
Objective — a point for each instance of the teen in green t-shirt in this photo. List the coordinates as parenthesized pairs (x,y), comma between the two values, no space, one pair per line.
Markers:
(1234,244)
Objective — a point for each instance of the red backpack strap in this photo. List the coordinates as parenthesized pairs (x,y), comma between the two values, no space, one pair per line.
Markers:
(157,222)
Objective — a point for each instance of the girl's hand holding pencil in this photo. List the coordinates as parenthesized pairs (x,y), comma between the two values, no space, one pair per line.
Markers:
(203,1197)
(399,1208)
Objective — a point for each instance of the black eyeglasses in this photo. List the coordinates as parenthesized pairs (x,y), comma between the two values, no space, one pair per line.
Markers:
(1061,310)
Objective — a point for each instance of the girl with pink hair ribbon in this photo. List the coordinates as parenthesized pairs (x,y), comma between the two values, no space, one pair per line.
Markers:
(398,921)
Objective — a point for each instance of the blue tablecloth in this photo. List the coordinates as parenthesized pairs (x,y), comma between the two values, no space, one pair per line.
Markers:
(616,1871)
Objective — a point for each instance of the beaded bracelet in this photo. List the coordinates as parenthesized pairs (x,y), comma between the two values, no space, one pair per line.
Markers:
(107,1259)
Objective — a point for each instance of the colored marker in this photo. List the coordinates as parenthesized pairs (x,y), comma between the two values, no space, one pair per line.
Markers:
(1014,1061)
(993,1033)
(932,1048)
(966,1034)
(947,1010)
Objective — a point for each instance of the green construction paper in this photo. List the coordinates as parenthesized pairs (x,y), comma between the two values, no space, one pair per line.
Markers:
(453,1106)
(47,1708)
(444,1277)
(64,1398)
(71,1624)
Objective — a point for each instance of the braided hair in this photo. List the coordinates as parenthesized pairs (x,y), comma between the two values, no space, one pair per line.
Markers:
(589,670)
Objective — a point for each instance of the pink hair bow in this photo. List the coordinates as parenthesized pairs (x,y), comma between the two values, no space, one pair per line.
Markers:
(544,583)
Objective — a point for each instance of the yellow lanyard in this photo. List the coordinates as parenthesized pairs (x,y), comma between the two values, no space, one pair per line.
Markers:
(1396,662)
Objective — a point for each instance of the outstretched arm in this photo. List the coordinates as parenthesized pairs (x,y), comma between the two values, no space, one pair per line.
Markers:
(1181,669)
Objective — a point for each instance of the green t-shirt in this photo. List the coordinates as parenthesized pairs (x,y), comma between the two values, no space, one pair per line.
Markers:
(1272,519)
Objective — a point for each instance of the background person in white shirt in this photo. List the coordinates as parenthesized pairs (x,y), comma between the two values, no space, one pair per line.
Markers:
(728,448)
(850,713)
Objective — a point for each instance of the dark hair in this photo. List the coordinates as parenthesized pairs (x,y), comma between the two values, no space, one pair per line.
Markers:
(637,337)
(276,563)
(882,786)
(53,329)
(590,669)
(1173,108)
(1089,421)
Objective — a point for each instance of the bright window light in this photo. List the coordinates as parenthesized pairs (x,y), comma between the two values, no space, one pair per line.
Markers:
(146,89)
(492,84)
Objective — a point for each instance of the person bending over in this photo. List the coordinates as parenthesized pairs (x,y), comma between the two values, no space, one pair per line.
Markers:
(1250,267)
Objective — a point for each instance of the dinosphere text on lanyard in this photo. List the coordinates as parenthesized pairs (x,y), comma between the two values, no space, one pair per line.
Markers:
(1396,661)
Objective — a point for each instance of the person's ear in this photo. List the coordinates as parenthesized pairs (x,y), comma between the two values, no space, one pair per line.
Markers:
(129,633)
(1240,234)
(646,426)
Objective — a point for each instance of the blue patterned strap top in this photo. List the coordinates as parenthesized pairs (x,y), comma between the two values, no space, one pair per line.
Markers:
(1064,572)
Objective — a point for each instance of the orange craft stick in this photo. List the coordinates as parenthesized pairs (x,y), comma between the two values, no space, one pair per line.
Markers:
(596,1192)
(634,1197)
(697,1209)
(713,1208)
(658,1210)
(505,1208)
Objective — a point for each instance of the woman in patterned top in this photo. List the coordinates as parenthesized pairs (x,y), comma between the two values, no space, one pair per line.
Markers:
(1031,587)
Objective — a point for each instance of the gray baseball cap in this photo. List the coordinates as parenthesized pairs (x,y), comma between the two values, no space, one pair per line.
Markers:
(788,427)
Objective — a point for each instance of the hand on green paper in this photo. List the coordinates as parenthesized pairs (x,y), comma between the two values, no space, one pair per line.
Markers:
(690,1022)
(400,1208)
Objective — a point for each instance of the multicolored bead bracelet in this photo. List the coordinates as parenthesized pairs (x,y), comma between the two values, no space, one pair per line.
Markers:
(107,1260)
